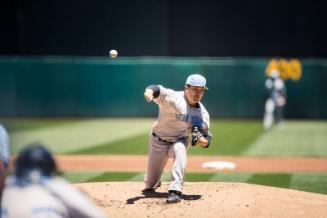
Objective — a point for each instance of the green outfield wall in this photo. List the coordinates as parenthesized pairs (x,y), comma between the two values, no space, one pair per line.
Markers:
(78,87)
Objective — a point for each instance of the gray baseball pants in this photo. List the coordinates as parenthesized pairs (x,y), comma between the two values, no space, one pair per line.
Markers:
(158,154)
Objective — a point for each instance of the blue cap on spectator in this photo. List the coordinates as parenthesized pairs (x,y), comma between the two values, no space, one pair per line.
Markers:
(196,80)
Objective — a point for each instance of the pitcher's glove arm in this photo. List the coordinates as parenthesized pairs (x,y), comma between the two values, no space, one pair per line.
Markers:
(208,137)
(196,135)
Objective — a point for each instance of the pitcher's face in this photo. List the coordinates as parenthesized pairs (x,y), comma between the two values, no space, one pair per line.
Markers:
(194,94)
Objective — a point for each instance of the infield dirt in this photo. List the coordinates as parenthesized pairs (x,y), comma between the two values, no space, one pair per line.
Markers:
(203,199)
(130,163)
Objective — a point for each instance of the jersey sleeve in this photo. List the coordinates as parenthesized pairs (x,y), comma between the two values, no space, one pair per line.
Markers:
(4,145)
(206,116)
(206,120)
(166,98)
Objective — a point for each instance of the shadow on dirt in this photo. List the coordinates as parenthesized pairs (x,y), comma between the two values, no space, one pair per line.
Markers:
(161,195)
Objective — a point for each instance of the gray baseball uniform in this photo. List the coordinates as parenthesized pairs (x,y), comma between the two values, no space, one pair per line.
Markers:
(47,197)
(4,146)
(4,156)
(276,99)
(169,136)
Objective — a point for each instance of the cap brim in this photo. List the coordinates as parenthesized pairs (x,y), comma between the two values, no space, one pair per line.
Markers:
(206,88)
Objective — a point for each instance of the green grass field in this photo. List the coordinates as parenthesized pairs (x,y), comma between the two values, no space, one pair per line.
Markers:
(130,136)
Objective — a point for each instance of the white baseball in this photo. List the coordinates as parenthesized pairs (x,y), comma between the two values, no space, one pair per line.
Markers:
(113,53)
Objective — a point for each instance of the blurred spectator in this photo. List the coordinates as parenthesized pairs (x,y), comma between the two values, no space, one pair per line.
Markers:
(4,156)
(275,100)
(35,191)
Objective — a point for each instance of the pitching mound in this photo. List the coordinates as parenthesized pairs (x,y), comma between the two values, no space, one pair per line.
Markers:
(124,199)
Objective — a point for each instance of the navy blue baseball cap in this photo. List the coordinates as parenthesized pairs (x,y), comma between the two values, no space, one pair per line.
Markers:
(35,157)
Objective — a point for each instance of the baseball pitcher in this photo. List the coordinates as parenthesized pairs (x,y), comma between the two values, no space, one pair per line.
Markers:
(180,114)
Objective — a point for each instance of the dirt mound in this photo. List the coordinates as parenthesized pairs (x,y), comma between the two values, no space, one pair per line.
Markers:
(204,199)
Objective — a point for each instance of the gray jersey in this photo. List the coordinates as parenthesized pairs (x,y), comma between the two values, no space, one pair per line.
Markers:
(275,88)
(176,117)
(49,197)
(4,146)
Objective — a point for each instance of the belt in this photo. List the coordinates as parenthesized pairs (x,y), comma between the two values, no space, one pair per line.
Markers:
(160,139)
